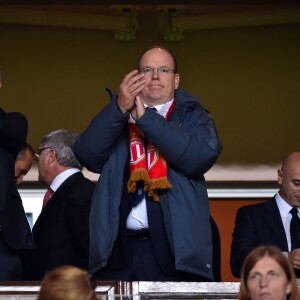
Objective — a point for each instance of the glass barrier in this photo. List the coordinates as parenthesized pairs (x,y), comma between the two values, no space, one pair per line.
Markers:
(137,290)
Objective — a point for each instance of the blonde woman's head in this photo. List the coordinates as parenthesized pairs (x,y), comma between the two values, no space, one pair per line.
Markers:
(67,283)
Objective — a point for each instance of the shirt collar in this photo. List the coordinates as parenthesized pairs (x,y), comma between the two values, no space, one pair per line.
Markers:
(283,206)
(162,109)
(60,178)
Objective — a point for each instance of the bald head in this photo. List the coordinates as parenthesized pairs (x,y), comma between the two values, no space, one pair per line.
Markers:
(291,161)
(289,179)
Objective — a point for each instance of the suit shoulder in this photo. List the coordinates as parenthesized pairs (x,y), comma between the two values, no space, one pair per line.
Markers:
(79,177)
(78,184)
(84,182)
(88,182)
(252,207)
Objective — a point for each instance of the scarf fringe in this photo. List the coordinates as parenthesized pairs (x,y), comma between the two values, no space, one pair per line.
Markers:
(135,176)
(155,185)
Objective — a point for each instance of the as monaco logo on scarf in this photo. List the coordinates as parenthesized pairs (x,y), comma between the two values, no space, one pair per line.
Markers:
(137,151)
(152,156)
(147,165)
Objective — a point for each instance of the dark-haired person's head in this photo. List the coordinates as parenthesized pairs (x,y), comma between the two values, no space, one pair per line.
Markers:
(23,163)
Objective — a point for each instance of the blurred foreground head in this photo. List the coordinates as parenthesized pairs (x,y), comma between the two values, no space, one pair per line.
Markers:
(67,283)
(267,274)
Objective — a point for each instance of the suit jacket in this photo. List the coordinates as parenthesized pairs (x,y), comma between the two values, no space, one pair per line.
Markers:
(256,225)
(13,222)
(61,231)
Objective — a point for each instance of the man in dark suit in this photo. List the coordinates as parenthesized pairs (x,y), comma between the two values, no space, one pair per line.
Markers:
(61,231)
(15,233)
(269,223)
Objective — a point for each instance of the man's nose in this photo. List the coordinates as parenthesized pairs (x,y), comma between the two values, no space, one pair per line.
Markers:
(155,73)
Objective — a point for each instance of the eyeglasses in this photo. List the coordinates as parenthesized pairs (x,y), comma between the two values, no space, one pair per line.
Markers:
(164,71)
(38,152)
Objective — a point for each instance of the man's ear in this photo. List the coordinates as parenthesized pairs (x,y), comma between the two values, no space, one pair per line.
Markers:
(177,80)
(52,156)
(280,177)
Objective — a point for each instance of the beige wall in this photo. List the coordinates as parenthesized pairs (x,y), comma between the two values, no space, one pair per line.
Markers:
(247,77)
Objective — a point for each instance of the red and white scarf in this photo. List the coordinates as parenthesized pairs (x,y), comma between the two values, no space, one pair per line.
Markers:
(147,165)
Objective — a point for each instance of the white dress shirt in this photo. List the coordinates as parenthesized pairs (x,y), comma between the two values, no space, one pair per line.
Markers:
(286,216)
(59,179)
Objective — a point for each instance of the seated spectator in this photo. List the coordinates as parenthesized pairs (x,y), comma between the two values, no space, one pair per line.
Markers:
(67,283)
(23,163)
(274,222)
(267,274)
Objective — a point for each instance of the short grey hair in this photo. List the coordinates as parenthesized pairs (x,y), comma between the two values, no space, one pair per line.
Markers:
(62,141)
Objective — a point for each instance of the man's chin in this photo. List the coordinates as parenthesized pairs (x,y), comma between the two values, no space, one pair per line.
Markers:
(296,200)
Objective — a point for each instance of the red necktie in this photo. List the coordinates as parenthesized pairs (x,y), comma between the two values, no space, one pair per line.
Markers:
(47,197)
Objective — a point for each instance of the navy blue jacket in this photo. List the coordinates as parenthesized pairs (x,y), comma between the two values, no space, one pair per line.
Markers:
(190,144)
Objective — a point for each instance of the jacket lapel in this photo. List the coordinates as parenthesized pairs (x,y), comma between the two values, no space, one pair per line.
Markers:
(274,219)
